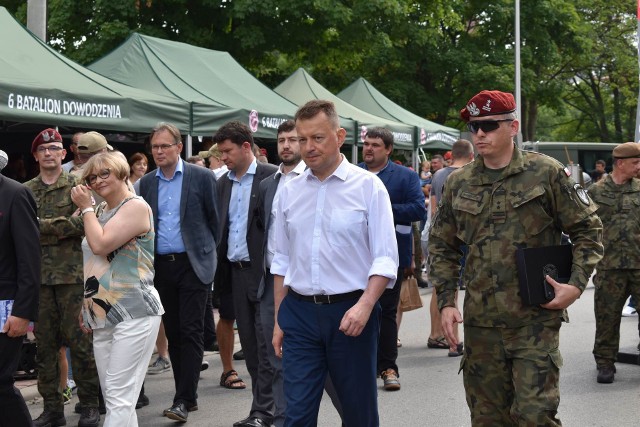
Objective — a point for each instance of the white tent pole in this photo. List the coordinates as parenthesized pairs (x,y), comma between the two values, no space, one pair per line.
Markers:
(189,146)
(518,91)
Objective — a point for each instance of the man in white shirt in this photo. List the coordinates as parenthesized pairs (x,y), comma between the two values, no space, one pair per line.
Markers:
(75,163)
(335,254)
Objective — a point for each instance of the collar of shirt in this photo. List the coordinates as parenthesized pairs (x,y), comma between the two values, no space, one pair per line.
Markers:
(251,171)
(300,168)
(179,169)
(341,172)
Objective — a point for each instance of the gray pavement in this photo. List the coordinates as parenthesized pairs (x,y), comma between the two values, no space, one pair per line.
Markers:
(432,393)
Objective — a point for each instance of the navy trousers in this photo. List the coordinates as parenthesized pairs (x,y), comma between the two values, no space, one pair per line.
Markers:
(314,347)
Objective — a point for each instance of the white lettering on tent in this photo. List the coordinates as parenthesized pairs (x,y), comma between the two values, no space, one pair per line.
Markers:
(89,109)
(402,137)
(272,122)
(41,104)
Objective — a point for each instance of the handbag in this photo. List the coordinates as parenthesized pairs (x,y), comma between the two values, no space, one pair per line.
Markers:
(410,295)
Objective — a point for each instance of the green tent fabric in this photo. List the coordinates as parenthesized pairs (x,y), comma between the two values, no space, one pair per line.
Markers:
(300,87)
(211,80)
(365,96)
(39,85)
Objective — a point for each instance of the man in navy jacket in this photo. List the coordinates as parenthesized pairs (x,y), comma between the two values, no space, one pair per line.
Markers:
(407,203)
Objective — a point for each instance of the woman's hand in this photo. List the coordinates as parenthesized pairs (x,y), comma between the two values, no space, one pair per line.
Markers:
(81,196)
(83,328)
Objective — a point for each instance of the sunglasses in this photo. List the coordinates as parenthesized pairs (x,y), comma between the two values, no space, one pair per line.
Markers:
(103,174)
(485,125)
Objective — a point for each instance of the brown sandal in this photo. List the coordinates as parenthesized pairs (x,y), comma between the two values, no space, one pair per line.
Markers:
(232,383)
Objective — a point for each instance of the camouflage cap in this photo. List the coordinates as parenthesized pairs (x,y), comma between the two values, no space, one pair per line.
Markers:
(488,103)
(45,137)
(92,142)
(627,150)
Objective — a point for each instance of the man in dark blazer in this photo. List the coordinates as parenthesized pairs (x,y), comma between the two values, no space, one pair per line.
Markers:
(19,286)
(240,256)
(407,203)
(184,204)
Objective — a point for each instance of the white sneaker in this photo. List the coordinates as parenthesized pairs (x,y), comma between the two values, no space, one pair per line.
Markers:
(71,384)
(159,366)
(629,311)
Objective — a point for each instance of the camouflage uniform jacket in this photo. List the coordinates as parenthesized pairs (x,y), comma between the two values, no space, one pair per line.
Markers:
(60,233)
(619,209)
(528,206)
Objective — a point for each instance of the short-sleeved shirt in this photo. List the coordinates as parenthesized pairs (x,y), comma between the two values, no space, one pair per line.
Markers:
(119,286)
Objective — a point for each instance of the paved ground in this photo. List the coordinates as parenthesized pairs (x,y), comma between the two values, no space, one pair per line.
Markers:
(432,393)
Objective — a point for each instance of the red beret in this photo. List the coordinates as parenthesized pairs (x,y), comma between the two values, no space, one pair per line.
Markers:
(45,137)
(489,103)
(447,155)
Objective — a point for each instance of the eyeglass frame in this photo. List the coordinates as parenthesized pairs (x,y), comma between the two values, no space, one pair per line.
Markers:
(52,149)
(477,125)
(92,179)
(162,146)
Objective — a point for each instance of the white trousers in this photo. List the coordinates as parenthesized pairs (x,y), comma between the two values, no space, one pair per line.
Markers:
(122,354)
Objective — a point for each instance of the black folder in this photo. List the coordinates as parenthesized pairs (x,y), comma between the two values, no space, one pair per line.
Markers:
(534,264)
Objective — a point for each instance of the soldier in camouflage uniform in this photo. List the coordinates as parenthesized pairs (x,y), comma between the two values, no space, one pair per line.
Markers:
(504,200)
(618,273)
(61,291)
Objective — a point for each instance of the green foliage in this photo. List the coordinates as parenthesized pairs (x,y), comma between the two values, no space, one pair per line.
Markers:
(579,60)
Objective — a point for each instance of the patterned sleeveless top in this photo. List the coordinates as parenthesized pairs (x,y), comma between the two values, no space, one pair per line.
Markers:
(119,286)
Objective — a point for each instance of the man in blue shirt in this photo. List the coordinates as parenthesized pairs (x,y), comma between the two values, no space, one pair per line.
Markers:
(184,204)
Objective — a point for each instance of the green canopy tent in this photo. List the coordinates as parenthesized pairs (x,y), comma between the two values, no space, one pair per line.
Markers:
(431,136)
(39,85)
(300,87)
(204,77)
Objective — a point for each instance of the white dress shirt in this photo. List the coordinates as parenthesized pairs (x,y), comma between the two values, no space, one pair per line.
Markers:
(284,178)
(332,235)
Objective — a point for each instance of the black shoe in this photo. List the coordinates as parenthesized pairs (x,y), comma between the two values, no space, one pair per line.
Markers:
(204,366)
(458,352)
(101,408)
(606,374)
(143,400)
(89,417)
(191,408)
(251,422)
(177,412)
(238,355)
(50,419)
(213,347)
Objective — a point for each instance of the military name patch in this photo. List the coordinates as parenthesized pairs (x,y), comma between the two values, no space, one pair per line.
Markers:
(582,194)
(471,196)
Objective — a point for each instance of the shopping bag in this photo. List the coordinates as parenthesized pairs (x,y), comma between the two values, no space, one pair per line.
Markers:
(410,295)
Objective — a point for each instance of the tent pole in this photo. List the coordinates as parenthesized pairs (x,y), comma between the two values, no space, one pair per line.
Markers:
(354,148)
(189,146)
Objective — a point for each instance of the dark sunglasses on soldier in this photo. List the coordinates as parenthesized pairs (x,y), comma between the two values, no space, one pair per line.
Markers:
(103,174)
(485,125)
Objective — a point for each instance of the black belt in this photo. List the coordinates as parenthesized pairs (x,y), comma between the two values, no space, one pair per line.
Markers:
(172,257)
(326,299)
(240,264)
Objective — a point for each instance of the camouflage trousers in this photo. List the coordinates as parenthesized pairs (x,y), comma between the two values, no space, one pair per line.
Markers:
(613,287)
(511,375)
(57,326)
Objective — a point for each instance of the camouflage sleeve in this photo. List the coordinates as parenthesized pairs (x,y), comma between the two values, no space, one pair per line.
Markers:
(576,215)
(444,252)
(62,226)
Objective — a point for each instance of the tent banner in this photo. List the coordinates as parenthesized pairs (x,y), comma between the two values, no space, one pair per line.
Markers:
(66,107)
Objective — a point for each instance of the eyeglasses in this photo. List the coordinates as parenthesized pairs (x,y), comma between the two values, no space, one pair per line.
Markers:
(53,149)
(162,146)
(103,174)
(485,125)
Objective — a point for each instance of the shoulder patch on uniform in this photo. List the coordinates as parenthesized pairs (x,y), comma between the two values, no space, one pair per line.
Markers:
(582,194)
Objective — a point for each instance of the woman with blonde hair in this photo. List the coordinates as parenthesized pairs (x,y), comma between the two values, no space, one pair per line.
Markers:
(121,306)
